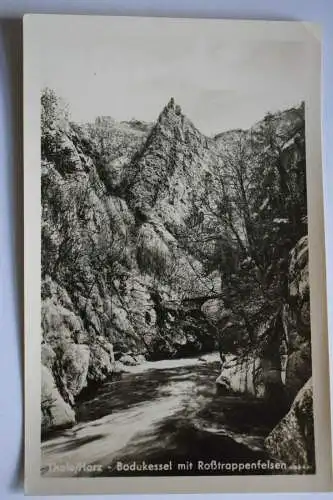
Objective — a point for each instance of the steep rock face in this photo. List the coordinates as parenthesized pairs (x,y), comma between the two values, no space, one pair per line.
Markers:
(74,369)
(272,304)
(298,368)
(297,320)
(293,368)
(48,356)
(67,349)
(171,167)
(142,252)
(292,440)
(102,360)
(112,282)
(112,145)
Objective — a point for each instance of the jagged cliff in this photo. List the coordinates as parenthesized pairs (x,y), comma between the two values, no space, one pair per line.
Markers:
(158,241)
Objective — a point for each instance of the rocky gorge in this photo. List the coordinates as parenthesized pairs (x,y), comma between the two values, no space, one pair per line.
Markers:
(159,242)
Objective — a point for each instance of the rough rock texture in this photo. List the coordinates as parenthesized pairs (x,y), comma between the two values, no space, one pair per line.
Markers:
(101,361)
(48,356)
(138,258)
(183,156)
(56,414)
(74,367)
(251,376)
(239,376)
(297,320)
(299,271)
(128,360)
(289,362)
(87,227)
(298,368)
(292,440)
(113,272)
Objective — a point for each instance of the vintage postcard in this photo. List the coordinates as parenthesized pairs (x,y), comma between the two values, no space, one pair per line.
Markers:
(175,307)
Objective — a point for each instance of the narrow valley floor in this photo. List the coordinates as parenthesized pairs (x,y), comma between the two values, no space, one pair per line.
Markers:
(161,412)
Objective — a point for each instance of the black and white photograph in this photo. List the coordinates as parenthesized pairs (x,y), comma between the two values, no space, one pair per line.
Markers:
(176,335)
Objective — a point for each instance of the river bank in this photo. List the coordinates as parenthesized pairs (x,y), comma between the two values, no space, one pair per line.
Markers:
(161,411)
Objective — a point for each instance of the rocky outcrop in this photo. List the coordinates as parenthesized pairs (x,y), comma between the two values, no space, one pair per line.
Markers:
(297,320)
(101,360)
(286,367)
(48,356)
(292,440)
(73,369)
(69,366)
(88,228)
(55,413)
(183,156)
(252,376)
(299,272)
(141,255)
(128,360)
(113,273)
(239,376)
(298,368)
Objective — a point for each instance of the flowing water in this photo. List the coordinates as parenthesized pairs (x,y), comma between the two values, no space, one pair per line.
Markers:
(160,413)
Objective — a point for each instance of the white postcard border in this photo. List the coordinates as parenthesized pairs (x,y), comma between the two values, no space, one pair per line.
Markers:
(34,483)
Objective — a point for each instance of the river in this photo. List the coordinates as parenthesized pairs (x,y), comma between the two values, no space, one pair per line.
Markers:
(160,412)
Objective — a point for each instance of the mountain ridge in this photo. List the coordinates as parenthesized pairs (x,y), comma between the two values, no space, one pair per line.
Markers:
(137,226)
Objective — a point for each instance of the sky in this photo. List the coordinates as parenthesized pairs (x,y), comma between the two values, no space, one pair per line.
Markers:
(221,82)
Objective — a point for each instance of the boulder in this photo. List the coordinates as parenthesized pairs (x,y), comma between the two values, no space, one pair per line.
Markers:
(252,376)
(55,412)
(223,385)
(292,440)
(140,358)
(238,375)
(119,368)
(128,360)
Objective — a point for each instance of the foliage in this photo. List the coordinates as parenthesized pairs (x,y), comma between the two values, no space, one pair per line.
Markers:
(54,119)
(252,214)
